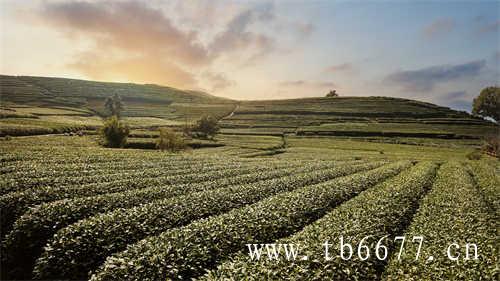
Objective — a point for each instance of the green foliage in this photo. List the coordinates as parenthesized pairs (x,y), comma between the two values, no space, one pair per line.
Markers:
(487,104)
(114,133)
(141,99)
(454,211)
(357,218)
(488,180)
(53,184)
(32,230)
(492,145)
(332,94)
(206,127)
(149,219)
(15,204)
(114,105)
(184,253)
(474,155)
(170,140)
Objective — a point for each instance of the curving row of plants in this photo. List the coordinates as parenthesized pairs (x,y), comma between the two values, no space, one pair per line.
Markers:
(32,230)
(107,174)
(488,180)
(87,243)
(14,204)
(382,211)
(452,212)
(21,170)
(186,252)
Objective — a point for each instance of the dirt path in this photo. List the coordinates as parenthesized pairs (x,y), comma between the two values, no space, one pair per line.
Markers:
(232,112)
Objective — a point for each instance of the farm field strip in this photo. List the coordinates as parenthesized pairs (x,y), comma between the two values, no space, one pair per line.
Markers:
(452,212)
(15,204)
(30,232)
(488,182)
(134,224)
(355,219)
(33,169)
(70,162)
(186,252)
(110,175)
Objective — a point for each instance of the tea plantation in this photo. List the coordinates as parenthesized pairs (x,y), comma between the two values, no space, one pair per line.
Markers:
(73,210)
(366,188)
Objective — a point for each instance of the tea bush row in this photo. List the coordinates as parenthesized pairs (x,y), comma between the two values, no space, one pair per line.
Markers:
(377,212)
(87,243)
(186,252)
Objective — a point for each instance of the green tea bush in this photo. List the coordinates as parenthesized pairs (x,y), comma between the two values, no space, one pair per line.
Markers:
(186,252)
(452,212)
(474,155)
(14,204)
(114,133)
(32,230)
(488,182)
(357,218)
(170,140)
(92,240)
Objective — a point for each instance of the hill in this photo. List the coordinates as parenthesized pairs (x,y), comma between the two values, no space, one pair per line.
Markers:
(43,105)
(355,117)
(146,100)
(39,105)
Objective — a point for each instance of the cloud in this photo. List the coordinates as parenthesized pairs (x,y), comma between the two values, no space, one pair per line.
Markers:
(457,100)
(496,56)
(425,79)
(238,34)
(118,33)
(218,81)
(438,28)
(128,26)
(303,30)
(455,95)
(140,69)
(303,88)
(309,84)
(131,42)
(492,27)
(344,67)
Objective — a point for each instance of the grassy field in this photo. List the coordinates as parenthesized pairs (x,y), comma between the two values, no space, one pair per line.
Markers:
(292,171)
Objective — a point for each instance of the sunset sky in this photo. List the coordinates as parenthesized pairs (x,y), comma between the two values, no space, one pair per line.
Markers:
(443,52)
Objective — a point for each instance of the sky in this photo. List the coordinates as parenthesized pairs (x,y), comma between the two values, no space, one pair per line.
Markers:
(443,52)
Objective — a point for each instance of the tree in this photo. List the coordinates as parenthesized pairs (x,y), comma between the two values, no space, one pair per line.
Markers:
(114,133)
(170,140)
(332,94)
(487,104)
(206,127)
(114,105)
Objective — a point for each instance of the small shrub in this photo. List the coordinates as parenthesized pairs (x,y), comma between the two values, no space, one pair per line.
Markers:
(332,94)
(187,130)
(492,146)
(474,155)
(170,140)
(114,133)
(206,127)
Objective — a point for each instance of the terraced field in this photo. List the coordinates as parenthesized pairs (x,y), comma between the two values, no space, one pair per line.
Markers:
(43,105)
(78,211)
(355,117)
